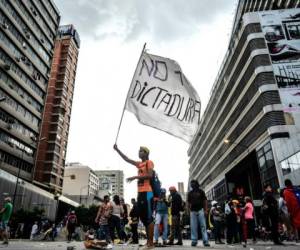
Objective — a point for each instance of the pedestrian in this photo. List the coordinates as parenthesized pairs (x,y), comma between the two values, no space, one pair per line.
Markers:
(284,215)
(145,192)
(217,218)
(5,214)
(134,217)
(197,204)
(176,205)
(249,227)
(71,224)
(231,222)
(270,211)
(34,230)
(103,215)
(124,219)
(115,219)
(161,216)
(293,205)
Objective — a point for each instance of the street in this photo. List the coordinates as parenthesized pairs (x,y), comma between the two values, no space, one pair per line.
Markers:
(59,245)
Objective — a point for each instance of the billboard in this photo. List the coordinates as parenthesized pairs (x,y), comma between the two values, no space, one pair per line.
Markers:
(281,29)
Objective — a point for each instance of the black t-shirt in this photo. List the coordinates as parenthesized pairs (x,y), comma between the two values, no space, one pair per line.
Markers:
(196,199)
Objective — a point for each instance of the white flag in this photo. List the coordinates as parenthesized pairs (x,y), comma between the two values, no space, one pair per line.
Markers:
(160,96)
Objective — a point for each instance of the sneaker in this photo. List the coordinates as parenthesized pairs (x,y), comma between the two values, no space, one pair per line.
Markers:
(165,242)
(194,244)
(244,244)
(5,243)
(170,243)
(206,244)
(179,243)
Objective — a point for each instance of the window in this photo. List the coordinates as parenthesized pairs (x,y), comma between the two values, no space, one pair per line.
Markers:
(291,164)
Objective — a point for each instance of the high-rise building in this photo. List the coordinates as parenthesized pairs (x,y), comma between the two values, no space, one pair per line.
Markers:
(116,179)
(181,190)
(51,153)
(81,183)
(27,33)
(249,132)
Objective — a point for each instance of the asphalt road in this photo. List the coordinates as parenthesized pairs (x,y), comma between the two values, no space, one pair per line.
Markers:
(29,245)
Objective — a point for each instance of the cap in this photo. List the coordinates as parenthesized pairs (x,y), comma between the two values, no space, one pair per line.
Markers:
(172,188)
(7,199)
(214,203)
(145,149)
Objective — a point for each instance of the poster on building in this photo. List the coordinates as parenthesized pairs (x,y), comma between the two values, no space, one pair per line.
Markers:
(282,34)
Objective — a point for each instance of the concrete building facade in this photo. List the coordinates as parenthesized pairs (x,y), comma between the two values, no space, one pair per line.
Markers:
(116,179)
(83,187)
(51,153)
(244,138)
(27,33)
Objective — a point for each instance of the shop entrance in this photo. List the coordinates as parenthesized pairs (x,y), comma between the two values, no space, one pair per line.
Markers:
(244,178)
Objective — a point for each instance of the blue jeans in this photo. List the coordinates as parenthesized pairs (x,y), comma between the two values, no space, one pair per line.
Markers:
(198,217)
(103,233)
(158,219)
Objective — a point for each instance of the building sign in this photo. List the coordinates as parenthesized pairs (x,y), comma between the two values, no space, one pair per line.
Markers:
(282,34)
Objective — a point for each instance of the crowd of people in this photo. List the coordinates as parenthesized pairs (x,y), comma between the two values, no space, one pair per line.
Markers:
(165,215)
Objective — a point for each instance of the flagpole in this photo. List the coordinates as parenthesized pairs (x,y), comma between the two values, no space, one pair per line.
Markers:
(144,47)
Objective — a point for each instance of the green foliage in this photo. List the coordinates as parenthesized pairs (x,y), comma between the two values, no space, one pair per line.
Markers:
(22,215)
(86,216)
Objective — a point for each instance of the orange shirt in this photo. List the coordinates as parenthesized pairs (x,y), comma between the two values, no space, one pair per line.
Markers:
(143,168)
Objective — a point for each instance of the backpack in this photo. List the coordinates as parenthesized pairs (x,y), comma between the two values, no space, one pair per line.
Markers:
(72,219)
(296,191)
(155,183)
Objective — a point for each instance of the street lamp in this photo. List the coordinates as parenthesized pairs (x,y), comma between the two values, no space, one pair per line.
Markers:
(19,172)
(227,141)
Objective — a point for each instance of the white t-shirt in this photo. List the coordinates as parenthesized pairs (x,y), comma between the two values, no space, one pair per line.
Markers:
(34,229)
(117,209)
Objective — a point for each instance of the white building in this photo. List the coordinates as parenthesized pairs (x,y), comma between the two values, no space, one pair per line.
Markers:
(84,188)
(116,179)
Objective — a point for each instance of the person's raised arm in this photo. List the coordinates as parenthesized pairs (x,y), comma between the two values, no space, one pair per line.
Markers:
(124,157)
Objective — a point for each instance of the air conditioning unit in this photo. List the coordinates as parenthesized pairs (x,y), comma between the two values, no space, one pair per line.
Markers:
(22,95)
(28,36)
(24,45)
(9,126)
(6,67)
(4,25)
(18,59)
(42,40)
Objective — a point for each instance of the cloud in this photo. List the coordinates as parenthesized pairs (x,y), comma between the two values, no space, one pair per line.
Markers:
(163,20)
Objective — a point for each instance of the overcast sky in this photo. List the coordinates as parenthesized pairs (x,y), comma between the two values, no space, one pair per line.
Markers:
(195,33)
